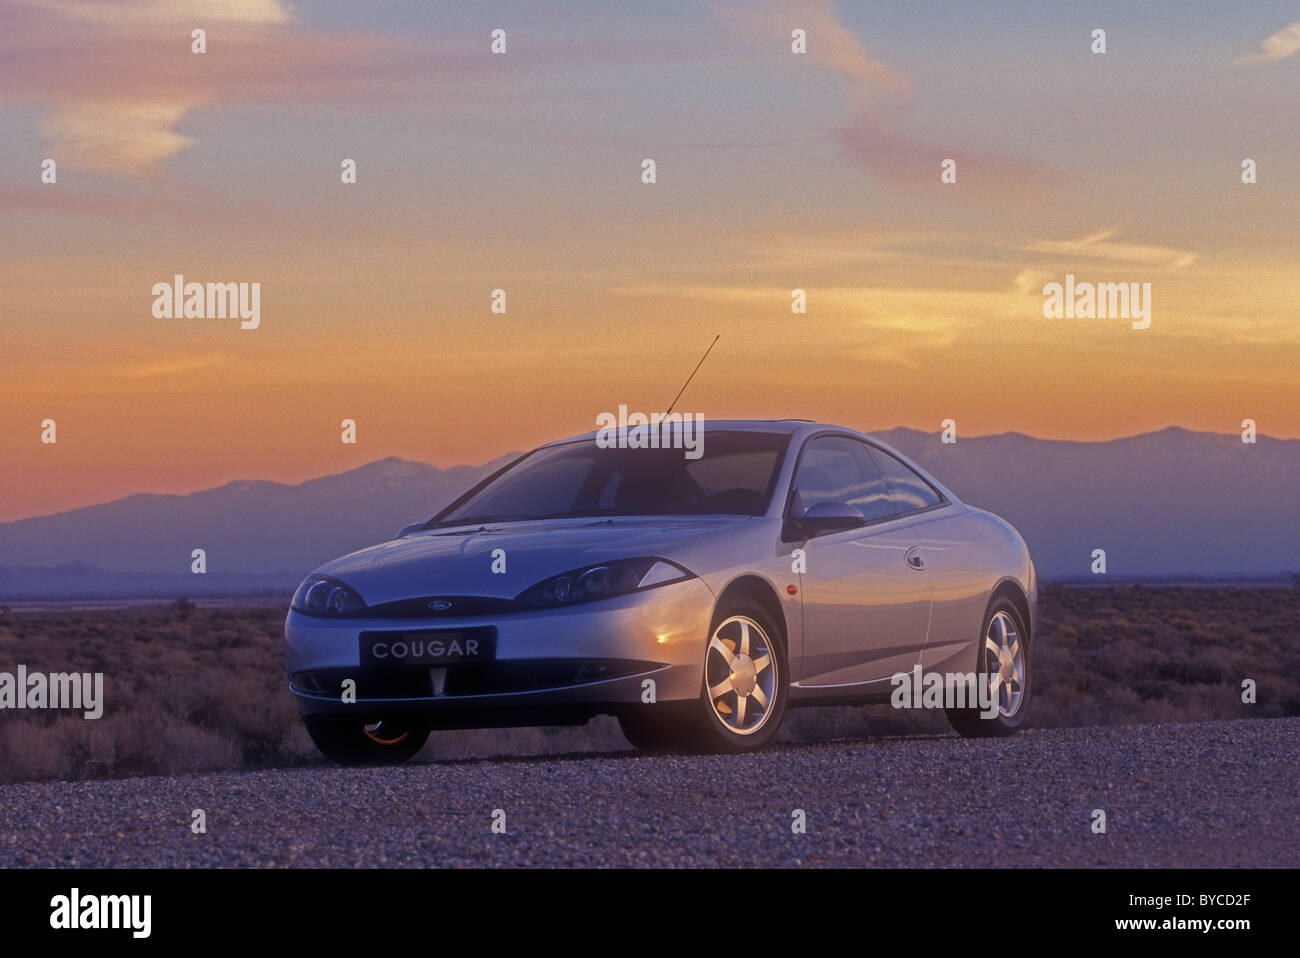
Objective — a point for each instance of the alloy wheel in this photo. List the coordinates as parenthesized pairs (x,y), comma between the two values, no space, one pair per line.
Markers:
(1004,663)
(740,674)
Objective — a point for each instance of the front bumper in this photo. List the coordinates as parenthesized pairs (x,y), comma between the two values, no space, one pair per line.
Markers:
(573,661)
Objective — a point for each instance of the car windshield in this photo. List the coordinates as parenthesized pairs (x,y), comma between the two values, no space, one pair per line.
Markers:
(734,474)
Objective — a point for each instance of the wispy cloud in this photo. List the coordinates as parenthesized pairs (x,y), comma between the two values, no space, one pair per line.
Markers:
(121,75)
(196,12)
(115,137)
(877,95)
(1274,47)
(118,77)
(904,326)
(915,164)
(830,43)
(1102,245)
(161,368)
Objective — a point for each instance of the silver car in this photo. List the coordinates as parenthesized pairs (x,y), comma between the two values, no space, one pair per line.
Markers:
(696,595)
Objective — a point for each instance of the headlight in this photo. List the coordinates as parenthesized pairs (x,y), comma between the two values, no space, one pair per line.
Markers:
(325,596)
(602,581)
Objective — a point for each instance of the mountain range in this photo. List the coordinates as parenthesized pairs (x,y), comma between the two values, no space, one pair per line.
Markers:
(1167,504)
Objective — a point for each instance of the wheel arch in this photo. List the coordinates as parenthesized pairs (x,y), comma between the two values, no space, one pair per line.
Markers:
(1010,590)
(761,591)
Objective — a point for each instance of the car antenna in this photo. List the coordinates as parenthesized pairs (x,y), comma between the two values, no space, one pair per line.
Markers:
(693,372)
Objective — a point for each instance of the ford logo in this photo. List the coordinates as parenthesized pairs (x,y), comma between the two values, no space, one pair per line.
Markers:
(440,605)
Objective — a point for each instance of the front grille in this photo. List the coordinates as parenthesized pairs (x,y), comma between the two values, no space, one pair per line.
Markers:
(458,606)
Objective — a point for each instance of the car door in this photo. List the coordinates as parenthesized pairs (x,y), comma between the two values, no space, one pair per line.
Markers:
(942,540)
(866,591)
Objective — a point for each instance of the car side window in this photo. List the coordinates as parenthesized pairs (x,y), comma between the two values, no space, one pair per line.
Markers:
(837,468)
(909,490)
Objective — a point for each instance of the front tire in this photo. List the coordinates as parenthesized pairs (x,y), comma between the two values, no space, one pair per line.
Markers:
(652,728)
(350,742)
(743,694)
(1001,664)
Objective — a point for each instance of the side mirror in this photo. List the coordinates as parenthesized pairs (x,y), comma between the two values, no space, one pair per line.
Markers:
(408,529)
(823,517)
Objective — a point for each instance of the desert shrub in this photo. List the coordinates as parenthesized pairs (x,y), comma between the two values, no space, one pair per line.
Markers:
(193,749)
(29,750)
(205,690)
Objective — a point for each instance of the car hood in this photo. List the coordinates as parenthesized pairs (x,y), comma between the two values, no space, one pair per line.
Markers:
(459,561)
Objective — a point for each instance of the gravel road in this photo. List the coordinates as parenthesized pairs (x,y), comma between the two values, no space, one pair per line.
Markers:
(1207,794)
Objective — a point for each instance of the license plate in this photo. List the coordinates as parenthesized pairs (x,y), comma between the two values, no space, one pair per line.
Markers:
(434,647)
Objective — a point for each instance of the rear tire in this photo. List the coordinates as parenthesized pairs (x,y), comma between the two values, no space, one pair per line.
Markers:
(350,742)
(1002,655)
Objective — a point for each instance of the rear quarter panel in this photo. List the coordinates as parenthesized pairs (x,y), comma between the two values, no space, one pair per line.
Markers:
(970,553)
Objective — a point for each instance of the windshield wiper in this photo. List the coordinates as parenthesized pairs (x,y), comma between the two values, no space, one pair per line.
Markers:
(479,520)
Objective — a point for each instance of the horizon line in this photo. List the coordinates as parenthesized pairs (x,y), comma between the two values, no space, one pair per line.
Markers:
(466,465)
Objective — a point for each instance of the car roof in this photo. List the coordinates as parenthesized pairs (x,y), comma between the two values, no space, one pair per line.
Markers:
(797,429)
(786,426)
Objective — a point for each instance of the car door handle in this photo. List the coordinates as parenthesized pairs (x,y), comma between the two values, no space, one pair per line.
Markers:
(913,558)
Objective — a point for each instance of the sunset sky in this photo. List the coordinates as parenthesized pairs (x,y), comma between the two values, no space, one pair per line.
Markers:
(522,171)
